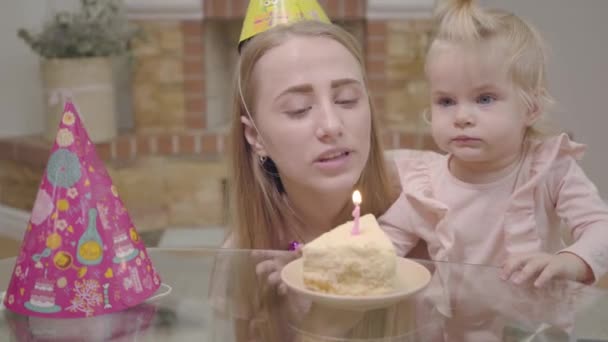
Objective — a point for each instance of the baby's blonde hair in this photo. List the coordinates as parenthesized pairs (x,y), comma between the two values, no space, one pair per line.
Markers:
(462,21)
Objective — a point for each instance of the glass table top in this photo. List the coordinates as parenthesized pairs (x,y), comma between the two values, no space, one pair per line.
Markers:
(215,295)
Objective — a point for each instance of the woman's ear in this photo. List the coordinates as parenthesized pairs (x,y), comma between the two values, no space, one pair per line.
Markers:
(253,137)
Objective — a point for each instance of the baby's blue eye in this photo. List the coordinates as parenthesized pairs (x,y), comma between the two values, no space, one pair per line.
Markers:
(485,99)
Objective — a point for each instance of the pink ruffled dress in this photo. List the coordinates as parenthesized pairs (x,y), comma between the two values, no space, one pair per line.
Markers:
(524,212)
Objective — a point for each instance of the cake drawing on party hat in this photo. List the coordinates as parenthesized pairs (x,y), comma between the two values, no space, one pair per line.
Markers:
(42,297)
(81,255)
(123,247)
(264,14)
(355,258)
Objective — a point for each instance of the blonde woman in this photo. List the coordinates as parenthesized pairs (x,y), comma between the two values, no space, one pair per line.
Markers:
(304,136)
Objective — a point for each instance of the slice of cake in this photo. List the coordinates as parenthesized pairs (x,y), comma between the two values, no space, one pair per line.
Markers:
(339,262)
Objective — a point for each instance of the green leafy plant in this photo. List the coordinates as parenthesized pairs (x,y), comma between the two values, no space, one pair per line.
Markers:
(100,28)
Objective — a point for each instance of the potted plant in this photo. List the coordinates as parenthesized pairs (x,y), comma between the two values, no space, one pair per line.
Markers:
(78,50)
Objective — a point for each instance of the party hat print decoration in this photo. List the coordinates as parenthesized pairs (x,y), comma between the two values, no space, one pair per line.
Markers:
(81,255)
(264,14)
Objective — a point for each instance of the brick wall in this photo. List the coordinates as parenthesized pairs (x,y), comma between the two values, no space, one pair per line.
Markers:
(194,74)
(180,77)
(175,95)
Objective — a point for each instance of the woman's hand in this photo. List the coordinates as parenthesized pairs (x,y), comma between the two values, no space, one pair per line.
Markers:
(268,268)
(544,267)
(269,265)
(293,308)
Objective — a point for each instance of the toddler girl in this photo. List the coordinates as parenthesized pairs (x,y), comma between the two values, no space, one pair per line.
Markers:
(502,190)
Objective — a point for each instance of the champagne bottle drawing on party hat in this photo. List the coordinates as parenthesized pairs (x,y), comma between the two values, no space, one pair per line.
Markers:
(90,246)
(263,14)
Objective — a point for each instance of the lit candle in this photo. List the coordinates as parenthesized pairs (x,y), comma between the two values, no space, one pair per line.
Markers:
(356,212)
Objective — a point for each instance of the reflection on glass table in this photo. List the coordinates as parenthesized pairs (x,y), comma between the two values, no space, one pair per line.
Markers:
(216,293)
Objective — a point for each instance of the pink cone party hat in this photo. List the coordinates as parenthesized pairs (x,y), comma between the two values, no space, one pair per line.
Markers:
(81,255)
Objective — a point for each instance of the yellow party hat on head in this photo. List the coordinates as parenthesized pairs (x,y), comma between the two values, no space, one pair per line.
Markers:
(264,14)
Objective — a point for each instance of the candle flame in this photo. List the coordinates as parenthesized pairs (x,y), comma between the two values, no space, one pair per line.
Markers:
(356,197)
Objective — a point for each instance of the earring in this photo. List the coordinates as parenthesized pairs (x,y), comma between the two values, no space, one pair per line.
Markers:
(425,116)
(263,159)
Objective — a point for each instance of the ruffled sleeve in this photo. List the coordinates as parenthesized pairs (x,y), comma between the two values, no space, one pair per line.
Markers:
(415,213)
(538,166)
(579,205)
(416,173)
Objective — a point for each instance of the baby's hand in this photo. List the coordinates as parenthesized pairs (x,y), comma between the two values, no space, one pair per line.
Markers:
(544,267)
(268,268)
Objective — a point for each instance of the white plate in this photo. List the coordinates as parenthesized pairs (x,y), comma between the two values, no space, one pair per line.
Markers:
(411,278)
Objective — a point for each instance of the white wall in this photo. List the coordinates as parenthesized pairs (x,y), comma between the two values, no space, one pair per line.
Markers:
(21,96)
(20,92)
(577,33)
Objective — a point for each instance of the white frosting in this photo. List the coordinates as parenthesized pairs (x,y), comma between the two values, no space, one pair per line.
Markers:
(124,251)
(42,301)
(120,238)
(43,287)
(339,262)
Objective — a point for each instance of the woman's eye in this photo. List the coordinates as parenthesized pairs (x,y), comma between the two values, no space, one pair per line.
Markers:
(347,102)
(298,112)
(486,99)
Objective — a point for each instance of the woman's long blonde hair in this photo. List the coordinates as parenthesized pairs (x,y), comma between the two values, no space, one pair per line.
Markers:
(462,21)
(259,207)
